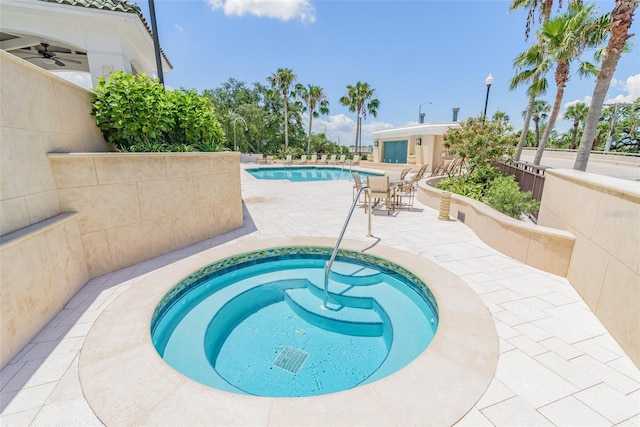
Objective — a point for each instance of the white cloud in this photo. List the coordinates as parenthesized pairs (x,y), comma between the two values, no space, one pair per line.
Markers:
(632,87)
(284,10)
(179,28)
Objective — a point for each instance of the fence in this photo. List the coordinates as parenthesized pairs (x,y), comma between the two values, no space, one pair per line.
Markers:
(530,177)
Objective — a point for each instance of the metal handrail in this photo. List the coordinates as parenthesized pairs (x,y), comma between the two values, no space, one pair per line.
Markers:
(335,249)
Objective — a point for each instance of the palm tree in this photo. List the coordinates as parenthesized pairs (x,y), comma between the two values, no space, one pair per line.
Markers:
(621,19)
(565,38)
(359,99)
(577,112)
(537,88)
(312,96)
(281,82)
(539,113)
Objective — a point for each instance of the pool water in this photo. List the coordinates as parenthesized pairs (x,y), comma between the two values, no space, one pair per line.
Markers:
(306,173)
(258,327)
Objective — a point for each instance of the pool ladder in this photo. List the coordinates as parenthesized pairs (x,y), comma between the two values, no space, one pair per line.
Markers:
(327,269)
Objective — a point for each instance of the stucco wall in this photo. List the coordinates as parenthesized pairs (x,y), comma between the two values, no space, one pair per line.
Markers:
(39,113)
(604,215)
(134,206)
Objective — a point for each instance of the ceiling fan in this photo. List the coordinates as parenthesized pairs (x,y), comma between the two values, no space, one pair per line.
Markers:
(50,57)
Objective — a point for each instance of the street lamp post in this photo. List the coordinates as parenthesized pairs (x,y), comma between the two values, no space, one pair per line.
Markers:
(420,113)
(156,41)
(246,128)
(489,82)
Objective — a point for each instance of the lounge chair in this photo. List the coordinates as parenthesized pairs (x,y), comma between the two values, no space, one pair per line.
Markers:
(404,172)
(323,159)
(356,160)
(381,191)
(332,159)
(303,160)
(314,159)
(343,159)
(288,160)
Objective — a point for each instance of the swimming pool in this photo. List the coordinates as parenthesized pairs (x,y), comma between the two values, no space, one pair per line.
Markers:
(254,324)
(307,173)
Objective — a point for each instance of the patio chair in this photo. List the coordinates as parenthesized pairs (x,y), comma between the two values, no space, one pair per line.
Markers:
(332,159)
(357,184)
(355,160)
(381,191)
(303,160)
(314,159)
(269,160)
(406,193)
(343,159)
(288,160)
(323,159)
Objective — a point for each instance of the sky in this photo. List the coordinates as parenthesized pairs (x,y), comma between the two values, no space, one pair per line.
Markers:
(419,55)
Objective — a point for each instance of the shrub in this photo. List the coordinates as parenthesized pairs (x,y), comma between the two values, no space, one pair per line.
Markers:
(135,113)
(461,186)
(504,195)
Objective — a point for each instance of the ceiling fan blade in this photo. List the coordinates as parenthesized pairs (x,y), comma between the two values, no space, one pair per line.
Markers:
(59,63)
(75,61)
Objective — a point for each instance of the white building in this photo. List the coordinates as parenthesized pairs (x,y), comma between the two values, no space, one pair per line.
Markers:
(93,37)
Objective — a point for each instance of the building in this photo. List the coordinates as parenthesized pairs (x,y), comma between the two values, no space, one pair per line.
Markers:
(419,144)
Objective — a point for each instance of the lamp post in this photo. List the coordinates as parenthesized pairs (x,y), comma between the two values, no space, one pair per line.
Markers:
(156,41)
(489,82)
(246,128)
(420,113)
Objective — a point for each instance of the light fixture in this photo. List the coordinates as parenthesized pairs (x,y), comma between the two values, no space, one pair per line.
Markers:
(375,143)
(489,82)
(418,141)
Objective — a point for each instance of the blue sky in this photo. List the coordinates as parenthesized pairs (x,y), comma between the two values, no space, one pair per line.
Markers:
(410,52)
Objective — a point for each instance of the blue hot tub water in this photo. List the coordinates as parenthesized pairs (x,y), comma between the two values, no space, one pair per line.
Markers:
(257,326)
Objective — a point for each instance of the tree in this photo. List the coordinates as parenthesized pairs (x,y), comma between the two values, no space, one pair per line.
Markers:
(539,113)
(577,113)
(537,86)
(312,97)
(621,19)
(479,142)
(281,82)
(359,99)
(565,38)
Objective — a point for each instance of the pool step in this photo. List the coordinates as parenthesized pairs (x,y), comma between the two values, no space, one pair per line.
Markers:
(354,275)
(344,319)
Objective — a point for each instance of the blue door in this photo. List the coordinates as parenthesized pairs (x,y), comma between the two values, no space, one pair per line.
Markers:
(395,151)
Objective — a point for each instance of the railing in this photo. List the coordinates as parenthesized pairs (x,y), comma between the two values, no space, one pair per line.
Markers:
(530,177)
(335,249)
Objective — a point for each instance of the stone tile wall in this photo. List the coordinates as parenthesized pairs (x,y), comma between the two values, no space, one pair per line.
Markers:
(604,215)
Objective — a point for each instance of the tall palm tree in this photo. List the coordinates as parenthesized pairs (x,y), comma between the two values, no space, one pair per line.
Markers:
(359,99)
(536,87)
(566,37)
(577,113)
(312,96)
(281,81)
(539,113)
(621,19)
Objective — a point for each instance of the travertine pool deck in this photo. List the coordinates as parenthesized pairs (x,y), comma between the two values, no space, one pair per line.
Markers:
(557,364)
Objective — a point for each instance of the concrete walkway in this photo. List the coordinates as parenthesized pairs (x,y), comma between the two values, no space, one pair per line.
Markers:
(557,364)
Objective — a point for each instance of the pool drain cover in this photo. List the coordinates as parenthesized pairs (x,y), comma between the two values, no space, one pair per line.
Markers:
(291,359)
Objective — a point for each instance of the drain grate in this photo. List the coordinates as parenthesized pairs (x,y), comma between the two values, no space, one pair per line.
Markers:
(291,359)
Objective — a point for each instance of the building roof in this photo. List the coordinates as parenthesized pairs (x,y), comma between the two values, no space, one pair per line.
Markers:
(114,6)
(415,130)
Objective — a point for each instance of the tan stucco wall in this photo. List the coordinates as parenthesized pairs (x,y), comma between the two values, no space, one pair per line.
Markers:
(134,206)
(39,113)
(545,248)
(604,215)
